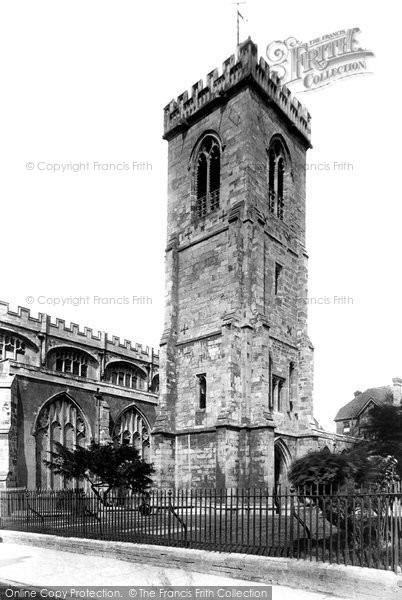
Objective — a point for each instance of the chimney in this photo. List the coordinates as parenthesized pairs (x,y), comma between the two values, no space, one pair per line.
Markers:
(357,393)
(397,390)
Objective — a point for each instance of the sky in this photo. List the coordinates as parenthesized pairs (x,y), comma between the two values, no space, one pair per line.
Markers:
(85,83)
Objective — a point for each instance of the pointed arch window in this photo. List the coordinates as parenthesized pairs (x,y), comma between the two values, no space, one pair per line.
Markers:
(60,420)
(207,176)
(131,429)
(276,178)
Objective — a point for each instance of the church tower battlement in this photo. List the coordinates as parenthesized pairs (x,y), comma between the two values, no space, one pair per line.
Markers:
(236,362)
(246,70)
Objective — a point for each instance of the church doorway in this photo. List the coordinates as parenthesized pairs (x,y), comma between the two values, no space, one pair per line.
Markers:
(282,460)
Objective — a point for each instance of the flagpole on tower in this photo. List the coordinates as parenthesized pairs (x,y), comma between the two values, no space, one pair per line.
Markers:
(239,15)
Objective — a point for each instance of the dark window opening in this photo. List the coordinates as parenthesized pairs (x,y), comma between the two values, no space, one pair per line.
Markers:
(202,392)
(272,182)
(155,384)
(292,384)
(270,391)
(278,271)
(214,178)
(280,390)
(281,171)
(202,177)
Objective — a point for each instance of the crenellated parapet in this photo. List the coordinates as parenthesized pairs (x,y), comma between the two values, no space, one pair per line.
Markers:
(24,322)
(236,72)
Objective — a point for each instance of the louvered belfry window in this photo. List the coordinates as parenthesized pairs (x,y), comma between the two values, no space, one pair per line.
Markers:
(207,176)
(276,179)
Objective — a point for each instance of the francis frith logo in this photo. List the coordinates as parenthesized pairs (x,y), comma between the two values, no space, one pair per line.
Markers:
(320,62)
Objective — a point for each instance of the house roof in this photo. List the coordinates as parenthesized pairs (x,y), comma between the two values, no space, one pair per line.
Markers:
(380,395)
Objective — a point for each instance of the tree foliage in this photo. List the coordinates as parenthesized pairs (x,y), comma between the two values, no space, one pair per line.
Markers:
(383,433)
(323,469)
(359,468)
(375,459)
(105,467)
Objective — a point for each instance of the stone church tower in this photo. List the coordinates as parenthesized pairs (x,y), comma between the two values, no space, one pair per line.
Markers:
(236,363)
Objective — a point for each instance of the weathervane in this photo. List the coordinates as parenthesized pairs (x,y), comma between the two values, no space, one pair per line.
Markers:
(239,16)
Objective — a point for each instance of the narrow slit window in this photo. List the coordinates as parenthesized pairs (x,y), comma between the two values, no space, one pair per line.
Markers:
(202,392)
(278,387)
(270,385)
(278,271)
(291,385)
(280,394)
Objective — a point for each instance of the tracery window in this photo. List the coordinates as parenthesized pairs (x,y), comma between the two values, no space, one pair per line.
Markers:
(126,376)
(132,429)
(10,346)
(60,421)
(71,361)
(207,176)
(276,178)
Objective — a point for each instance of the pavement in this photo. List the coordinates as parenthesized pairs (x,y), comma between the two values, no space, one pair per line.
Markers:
(31,566)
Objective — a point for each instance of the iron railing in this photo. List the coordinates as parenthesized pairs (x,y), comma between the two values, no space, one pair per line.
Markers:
(361,529)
